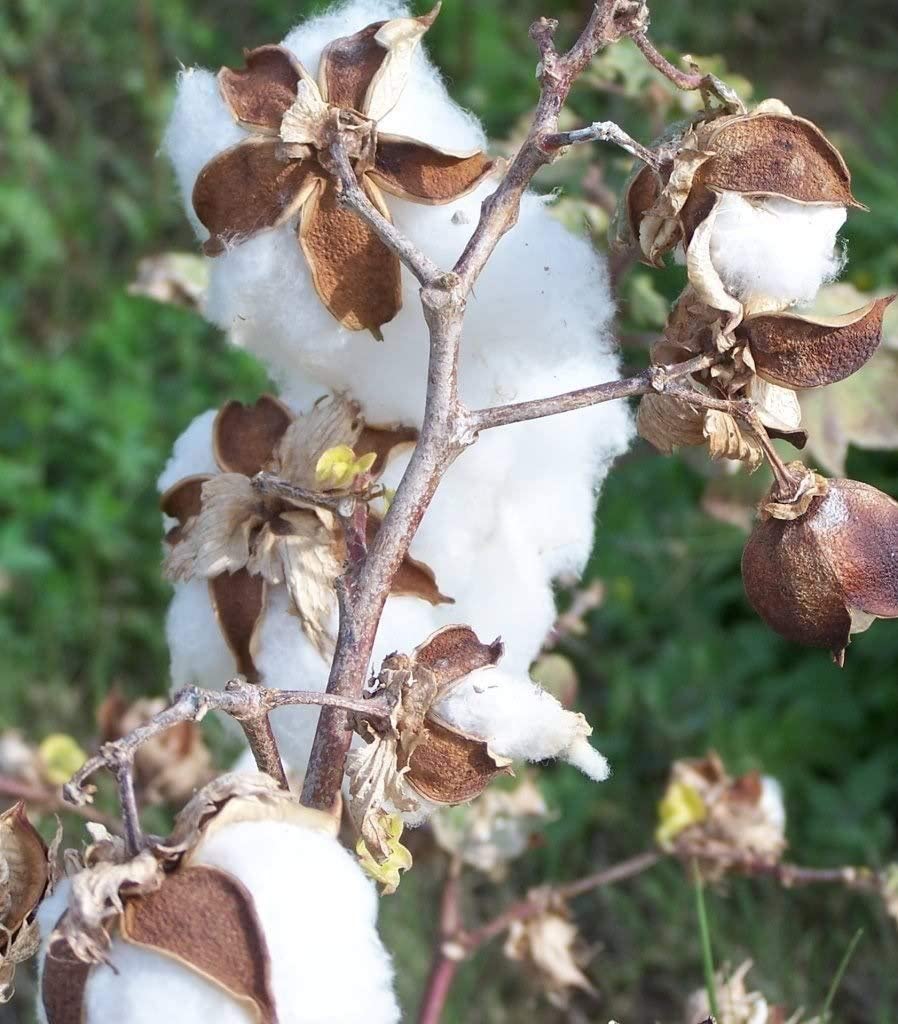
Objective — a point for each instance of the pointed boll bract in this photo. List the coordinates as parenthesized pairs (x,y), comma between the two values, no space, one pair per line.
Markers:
(827,572)
(240,916)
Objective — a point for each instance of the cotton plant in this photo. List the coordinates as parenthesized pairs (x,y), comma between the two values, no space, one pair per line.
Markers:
(367,554)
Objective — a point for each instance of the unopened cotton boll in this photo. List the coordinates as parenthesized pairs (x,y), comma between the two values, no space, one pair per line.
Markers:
(523,721)
(774,252)
(305,887)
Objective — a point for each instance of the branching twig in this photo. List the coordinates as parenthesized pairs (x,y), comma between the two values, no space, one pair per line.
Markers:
(455,943)
(248,703)
(447,428)
(603,131)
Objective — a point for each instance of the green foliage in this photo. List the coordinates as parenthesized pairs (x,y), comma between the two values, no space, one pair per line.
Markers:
(95,385)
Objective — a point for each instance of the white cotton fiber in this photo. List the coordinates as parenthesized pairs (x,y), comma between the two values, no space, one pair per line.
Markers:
(775,249)
(305,887)
(517,509)
(523,721)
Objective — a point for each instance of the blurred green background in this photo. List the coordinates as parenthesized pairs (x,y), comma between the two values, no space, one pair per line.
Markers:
(95,384)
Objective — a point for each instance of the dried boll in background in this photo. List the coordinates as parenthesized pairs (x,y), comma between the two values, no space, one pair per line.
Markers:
(514,512)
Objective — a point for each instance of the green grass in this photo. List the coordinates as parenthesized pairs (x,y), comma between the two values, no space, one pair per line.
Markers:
(95,385)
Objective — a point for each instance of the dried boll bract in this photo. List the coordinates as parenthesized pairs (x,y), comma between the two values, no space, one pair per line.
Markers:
(244,541)
(457,722)
(753,200)
(717,821)
(766,359)
(26,872)
(823,568)
(238,917)
(284,169)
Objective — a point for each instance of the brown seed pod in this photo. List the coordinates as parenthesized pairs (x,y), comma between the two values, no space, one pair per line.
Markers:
(828,573)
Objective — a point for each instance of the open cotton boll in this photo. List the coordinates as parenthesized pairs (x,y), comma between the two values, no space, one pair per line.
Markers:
(775,249)
(305,886)
(521,721)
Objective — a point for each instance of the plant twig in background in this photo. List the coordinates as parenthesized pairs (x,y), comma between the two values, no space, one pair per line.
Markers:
(837,977)
(704,931)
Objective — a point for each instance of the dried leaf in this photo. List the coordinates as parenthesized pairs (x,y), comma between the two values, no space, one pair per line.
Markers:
(547,941)
(250,188)
(97,896)
(244,436)
(727,440)
(778,408)
(259,94)
(356,276)
(330,423)
(205,918)
(218,539)
(707,814)
(450,767)
(308,121)
(311,561)
(668,423)
(24,870)
(173,278)
(416,171)
(807,352)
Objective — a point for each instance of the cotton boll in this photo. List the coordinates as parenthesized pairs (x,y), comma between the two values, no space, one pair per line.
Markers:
(775,249)
(305,887)
(521,721)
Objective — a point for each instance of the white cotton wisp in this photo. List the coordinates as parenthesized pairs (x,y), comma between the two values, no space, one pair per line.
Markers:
(305,888)
(775,252)
(523,722)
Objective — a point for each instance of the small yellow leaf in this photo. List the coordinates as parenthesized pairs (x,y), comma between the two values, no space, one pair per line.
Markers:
(399,859)
(61,757)
(680,807)
(338,467)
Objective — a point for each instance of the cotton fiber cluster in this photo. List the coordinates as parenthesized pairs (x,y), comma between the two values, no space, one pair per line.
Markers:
(516,510)
(774,252)
(318,913)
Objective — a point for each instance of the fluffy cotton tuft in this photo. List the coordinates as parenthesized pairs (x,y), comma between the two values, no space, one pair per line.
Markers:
(305,888)
(522,721)
(517,509)
(775,249)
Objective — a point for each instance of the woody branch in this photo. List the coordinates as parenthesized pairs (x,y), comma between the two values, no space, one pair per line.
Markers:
(447,427)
